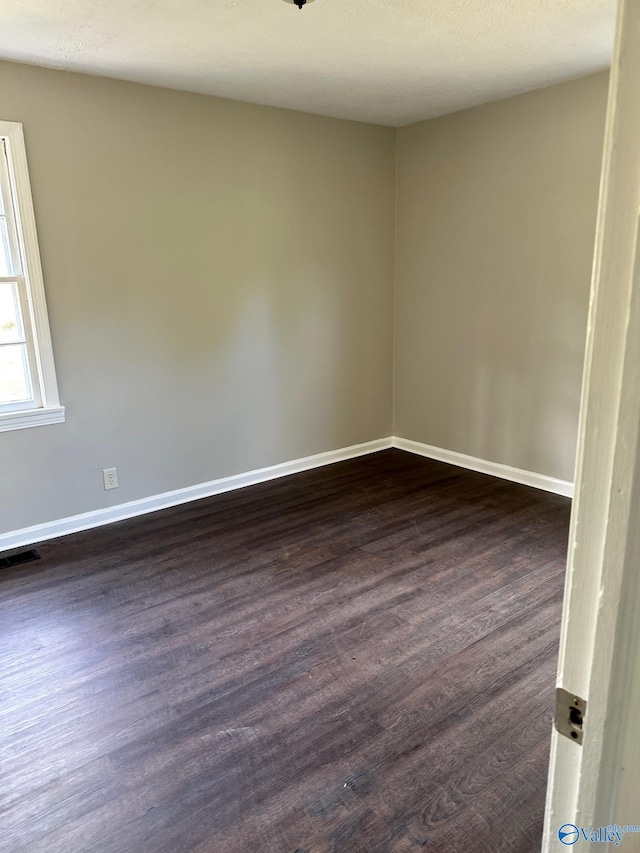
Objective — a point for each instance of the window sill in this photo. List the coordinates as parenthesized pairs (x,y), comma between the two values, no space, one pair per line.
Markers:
(31,418)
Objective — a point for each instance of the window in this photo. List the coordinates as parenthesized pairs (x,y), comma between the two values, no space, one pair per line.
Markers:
(28,388)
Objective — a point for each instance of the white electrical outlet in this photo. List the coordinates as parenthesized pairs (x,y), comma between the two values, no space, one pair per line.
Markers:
(110,478)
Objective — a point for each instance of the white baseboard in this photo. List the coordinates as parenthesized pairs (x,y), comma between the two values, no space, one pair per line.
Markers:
(99,517)
(496,469)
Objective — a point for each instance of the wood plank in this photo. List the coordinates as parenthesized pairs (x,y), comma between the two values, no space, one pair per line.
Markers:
(356,658)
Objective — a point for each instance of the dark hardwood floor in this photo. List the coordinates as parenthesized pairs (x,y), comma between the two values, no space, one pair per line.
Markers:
(357,658)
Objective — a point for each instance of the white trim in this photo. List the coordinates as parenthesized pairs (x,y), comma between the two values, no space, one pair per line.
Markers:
(38,319)
(599,659)
(99,517)
(131,509)
(24,418)
(495,469)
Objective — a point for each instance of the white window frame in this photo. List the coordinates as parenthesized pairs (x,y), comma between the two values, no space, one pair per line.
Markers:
(46,408)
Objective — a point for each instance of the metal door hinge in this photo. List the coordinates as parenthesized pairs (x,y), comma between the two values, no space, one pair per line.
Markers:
(570,714)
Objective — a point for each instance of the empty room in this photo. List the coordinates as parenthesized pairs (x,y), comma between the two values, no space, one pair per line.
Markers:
(294,313)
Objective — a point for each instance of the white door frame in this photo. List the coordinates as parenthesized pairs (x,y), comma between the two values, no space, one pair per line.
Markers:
(598,783)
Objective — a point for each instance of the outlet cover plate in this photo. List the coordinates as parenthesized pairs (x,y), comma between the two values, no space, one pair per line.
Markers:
(110,478)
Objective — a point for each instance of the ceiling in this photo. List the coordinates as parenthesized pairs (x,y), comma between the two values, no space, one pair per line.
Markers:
(389,62)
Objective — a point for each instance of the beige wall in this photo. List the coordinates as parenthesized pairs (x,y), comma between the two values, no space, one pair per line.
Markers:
(495,228)
(219,279)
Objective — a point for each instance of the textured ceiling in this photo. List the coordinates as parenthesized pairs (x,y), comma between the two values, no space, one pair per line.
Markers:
(383,61)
